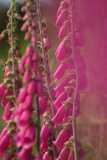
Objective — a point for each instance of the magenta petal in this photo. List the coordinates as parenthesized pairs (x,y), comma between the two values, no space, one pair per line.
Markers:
(60,99)
(64,50)
(62,17)
(43,104)
(4,141)
(25,117)
(63,136)
(22,94)
(27,76)
(29,137)
(60,87)
(63,5)
(47,156)
(62,68)
(24,154)
(65,29)
(64,154)
(59,116)
(45,132)
(2,90)
(7,112)
(32,87)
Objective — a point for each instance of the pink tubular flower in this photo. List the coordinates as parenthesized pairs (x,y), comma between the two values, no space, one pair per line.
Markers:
(47,156)
(38,157)
(71,155)
(63,5)
(5,140)
(62,69)
(60,88)
(62,137)
(43,104)
(2,90)
(59,100)
(7,112)
(27,77)
(28,102)
(64,49)
(45,132)
(62,114)
(25,154)
(32,87)
(64,154)
(65,29)
(22,95)
(62,17)
(29,137)
(25,117)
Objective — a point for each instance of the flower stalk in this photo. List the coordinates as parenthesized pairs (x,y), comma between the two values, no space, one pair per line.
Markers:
(45,58)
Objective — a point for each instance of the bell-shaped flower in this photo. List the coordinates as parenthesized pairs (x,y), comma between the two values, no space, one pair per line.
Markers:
(22,95)
(65,29)
(63,136)
(47,156)
(64,154)
(62,17)
(64,49)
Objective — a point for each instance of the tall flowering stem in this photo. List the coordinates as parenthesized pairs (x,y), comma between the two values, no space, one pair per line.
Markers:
(66,76)
(9,87)
(45,57)
(33,99)
(11,28)
(72,11)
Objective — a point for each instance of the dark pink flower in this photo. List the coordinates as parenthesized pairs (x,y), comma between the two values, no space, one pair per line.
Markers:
(62,137)
(64,154)
(47,156)
(22,94)
(65,29)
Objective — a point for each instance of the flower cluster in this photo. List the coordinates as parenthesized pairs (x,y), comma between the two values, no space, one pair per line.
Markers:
(40,119)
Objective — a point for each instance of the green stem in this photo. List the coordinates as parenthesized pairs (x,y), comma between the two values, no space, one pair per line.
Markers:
(76,88)
(12,41)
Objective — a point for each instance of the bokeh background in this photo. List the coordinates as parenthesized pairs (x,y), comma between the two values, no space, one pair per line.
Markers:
(91,16)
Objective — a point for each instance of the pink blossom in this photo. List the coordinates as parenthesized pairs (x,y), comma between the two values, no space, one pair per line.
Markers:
(63,5)
(4,142)
(62,137)
(25,117)
(2,90)
(62,17)
(25,154)
(64,50)
(7,112)
(62,114)
(32,87)
(60,99)
(22,94)
(28,101)
(27,76)
(47,156)
(61,86)
(71,155)
(29,137)
(64,154)
(43,104)
(45,132)
(65,29)
(62,68)
(59,116)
